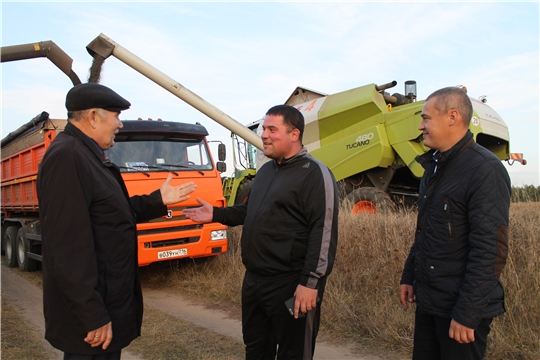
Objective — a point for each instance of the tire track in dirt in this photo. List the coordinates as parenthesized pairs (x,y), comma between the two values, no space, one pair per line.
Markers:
(28,300)
(223,323)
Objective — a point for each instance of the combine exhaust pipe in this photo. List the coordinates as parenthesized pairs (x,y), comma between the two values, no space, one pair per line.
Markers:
(103,46)
(386,86)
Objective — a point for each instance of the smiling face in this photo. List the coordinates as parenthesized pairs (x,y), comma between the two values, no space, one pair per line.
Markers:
(434,126)
(279,140)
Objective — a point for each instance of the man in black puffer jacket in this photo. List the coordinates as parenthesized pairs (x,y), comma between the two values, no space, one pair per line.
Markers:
(461,242)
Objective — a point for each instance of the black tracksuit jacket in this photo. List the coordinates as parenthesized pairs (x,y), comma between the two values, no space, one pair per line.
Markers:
(461,241)
(290,220)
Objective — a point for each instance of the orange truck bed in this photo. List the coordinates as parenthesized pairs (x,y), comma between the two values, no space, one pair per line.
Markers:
(20,160)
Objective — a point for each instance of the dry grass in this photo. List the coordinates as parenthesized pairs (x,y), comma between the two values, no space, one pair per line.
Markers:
(516,335)
(19,340)
(362,297)
(164,337)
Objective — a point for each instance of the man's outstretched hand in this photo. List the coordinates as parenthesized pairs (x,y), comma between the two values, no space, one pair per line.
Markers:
(175,194)
(201,214)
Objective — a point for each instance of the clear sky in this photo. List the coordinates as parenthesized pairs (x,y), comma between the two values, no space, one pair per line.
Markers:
(244,57)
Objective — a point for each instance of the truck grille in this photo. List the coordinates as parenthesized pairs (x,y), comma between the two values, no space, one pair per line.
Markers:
(170,229)
(174,242)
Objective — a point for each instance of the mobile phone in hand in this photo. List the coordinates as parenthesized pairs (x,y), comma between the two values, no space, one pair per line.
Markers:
(290,306)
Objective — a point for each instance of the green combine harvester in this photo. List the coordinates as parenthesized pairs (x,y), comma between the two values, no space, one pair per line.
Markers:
(369,139)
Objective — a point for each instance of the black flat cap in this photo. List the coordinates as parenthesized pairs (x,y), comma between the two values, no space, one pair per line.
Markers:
(92,95)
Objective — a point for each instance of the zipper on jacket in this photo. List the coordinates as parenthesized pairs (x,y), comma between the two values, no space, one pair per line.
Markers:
(448,217)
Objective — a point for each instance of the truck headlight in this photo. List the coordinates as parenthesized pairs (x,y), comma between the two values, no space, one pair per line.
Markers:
(218,235)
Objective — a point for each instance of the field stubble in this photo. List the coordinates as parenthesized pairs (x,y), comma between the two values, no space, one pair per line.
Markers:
(362,295)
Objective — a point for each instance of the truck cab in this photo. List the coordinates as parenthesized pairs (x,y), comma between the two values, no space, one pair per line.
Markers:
(146,151)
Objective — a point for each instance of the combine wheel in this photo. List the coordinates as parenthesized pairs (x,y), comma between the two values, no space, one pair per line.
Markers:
(370,200)
(10,241)
(243,192)
(23,247)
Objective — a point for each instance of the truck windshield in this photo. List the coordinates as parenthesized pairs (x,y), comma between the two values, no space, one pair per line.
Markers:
(149,153)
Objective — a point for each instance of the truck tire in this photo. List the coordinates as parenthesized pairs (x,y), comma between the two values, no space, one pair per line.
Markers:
(23,247)
(370,200)
(243,193)
(10,241)
(3,238)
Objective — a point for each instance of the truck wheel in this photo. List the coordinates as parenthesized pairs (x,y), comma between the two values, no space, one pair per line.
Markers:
(3,238)
(243,193)
(11,246)
(23,247)
(370,200)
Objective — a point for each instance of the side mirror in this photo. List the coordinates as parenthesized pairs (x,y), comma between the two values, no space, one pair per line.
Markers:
(222,152)
(221,166)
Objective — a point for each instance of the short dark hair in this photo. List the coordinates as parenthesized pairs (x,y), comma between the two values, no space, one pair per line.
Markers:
(453,98)
(292,117)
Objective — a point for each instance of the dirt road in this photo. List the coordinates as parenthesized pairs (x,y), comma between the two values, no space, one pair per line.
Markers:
(27,298)
(223,323)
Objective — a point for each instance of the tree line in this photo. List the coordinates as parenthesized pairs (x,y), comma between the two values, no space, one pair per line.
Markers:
(525,193)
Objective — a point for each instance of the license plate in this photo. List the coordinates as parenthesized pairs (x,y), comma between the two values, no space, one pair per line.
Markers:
(171,253)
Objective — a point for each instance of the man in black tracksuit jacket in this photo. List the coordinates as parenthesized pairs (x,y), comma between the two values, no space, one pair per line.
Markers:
(289,241)
(461,242)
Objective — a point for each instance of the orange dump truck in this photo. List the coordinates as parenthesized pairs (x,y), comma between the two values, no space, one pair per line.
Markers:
(146,152)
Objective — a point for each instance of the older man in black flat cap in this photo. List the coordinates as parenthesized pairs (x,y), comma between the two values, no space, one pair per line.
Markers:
(92,297)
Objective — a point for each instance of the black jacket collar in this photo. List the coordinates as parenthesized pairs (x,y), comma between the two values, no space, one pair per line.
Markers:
(90,144)
(426,160)
(285,161)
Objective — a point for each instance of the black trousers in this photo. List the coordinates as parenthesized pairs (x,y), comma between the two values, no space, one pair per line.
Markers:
(432,342)
(268,328)
(115,355)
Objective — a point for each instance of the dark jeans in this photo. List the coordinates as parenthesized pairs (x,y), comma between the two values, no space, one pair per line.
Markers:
(268,328)
(115,355)
(432,342)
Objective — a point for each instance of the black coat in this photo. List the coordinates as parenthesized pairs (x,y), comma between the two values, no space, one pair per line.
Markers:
(461,241)
(88,226)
